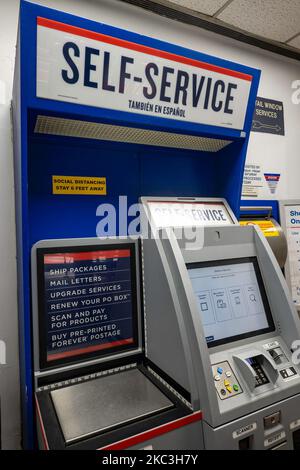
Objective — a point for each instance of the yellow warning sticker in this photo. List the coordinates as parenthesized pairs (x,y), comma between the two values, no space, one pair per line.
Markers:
(267,226)
(79,185)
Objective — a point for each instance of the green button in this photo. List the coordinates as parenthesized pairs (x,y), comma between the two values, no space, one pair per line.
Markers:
(236,388)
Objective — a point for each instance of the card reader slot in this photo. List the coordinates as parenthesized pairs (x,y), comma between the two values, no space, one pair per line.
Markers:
(260,375)
(256,369)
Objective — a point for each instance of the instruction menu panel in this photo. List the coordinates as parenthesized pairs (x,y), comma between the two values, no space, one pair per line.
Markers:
(88,302)
(229,300)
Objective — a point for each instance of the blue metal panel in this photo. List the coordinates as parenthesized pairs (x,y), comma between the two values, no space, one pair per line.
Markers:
(229,173)
(148,171)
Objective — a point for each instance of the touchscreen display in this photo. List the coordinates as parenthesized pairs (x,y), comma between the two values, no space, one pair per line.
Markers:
(231,299)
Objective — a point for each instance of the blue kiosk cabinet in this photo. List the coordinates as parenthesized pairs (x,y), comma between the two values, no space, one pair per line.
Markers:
(101,113)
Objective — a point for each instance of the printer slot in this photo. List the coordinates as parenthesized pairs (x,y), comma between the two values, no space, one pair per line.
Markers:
(277,355)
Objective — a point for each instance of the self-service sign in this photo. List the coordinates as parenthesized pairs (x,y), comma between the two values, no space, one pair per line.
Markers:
(80,66)
(165,214)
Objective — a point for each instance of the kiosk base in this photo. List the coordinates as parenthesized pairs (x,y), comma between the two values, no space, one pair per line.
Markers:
(272,428)
(91,407)
(122,408)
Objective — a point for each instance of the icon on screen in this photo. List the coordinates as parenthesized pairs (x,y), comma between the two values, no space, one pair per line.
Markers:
(204,306)
(237,301)
(221,303)
(252,298)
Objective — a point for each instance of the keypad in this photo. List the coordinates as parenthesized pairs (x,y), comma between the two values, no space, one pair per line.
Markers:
(225,380)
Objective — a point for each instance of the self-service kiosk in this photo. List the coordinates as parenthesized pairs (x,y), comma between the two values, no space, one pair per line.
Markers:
(235,332)
(192,342)
(99,379)
(102,115)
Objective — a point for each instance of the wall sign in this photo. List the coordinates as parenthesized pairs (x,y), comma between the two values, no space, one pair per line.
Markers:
(272,180)
(81,185)
(268,116)
(262,182)
(252,181)
(85,67)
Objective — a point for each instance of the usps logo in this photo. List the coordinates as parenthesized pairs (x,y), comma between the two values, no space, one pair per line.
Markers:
(272,180)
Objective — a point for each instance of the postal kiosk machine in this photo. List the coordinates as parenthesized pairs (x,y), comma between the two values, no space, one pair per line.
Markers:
(217,296)
(103,115)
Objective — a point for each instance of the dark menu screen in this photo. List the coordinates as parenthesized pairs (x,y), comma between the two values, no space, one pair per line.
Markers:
(87,303)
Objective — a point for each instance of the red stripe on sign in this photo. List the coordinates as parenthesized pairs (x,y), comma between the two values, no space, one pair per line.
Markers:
(90,349)
(43,432)
(155,432)
(66,28)
(67,258)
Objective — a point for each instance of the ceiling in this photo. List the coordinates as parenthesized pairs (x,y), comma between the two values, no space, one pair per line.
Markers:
(270,20)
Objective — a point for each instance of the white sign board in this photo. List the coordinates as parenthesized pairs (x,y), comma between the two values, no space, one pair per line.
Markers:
(290,220)
(165,214)
(75,65)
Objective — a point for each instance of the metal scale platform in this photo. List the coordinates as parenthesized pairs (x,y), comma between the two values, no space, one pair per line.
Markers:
(105,403)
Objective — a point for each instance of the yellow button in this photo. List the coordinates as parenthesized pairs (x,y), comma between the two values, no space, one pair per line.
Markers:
(229,389)
(226,383)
